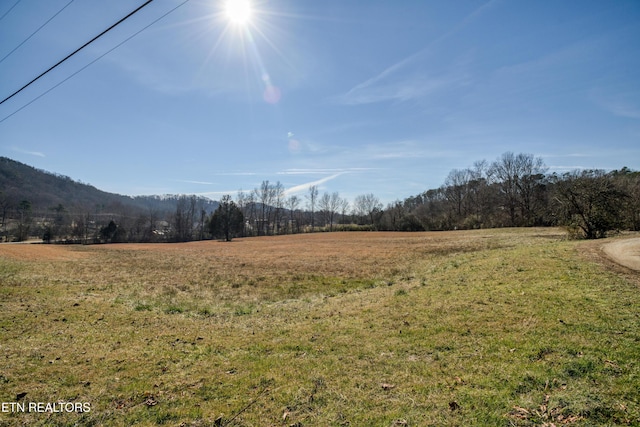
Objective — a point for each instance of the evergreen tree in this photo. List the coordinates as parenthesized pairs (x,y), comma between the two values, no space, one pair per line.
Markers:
(227,221)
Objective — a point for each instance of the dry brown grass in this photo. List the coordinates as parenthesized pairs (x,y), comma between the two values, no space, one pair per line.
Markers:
(37,252)
(251,270)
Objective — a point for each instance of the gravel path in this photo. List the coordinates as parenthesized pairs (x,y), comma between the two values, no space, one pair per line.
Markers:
(625,252)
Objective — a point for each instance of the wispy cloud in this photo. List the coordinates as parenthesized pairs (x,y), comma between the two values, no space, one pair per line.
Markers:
(31,153)
(413,78)
(296,189)
(236,173)
(188,181)
(618,106)
(310,171)
(571,155)
(406,149)
(625,111)
(564,168)
(341,128)
(407,79)
(404,89)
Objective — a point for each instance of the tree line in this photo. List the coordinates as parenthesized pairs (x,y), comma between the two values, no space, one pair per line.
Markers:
(266,210)
(515,190)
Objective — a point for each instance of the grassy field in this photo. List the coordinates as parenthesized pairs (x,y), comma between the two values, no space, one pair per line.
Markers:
(511,327)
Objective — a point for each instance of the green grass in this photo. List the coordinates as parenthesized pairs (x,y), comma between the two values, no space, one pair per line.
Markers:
(496,328)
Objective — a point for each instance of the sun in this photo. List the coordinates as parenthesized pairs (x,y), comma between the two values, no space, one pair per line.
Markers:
(238,11)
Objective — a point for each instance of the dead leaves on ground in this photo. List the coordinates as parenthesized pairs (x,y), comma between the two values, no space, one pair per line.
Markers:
(544,414)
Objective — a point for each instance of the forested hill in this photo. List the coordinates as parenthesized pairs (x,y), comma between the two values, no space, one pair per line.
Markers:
(45,190)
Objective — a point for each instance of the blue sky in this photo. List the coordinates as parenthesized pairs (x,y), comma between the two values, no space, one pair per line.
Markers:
(383,97)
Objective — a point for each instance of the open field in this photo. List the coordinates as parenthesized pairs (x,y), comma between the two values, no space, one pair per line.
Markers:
(511,327)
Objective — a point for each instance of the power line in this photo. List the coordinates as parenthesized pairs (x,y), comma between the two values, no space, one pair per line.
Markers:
(92,62)
(10,9)
(75,51)
(34,33)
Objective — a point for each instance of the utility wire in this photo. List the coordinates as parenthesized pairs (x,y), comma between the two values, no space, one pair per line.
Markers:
(34,33)
(75,51)
(10,9)
(92,62)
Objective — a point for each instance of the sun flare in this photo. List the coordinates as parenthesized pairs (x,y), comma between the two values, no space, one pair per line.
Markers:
(238,11)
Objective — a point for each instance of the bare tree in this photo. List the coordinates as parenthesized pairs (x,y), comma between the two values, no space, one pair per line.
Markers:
(329,205)
(517,177)
(278,198)
(265,196)
(367,206)
(292,203)
(358,209)
(479,194)
(312,200)
(250,212)
(504,173)
(183,218)
(589,201)
(241,202)
(532,174)
(455,188)
(344,208)
(465,191)
(323,208)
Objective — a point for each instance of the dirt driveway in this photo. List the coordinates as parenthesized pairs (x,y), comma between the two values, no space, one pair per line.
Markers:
(625,252)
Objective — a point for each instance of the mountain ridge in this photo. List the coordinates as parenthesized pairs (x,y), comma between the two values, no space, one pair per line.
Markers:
(47,190)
